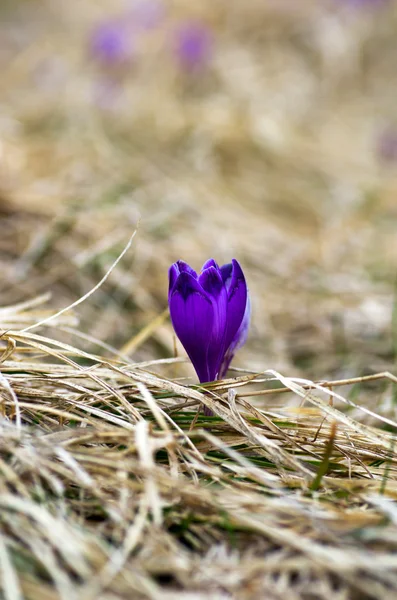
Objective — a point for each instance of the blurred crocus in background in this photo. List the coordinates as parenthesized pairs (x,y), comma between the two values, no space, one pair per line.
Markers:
(112,42)
(387,145)
(210,313)
(193,45)
(358,4)
(121,45)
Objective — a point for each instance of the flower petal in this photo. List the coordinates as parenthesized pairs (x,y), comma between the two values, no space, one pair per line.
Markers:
(237,300)
(226,272)
(174,271)
(192,316)
(211,281)
(210,263)
(238,341)
(185,268)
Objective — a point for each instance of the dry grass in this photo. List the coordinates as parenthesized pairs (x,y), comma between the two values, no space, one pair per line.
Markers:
(113,484)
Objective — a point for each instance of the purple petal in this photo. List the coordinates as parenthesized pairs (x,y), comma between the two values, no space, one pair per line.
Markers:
(173,274)
(210,263)
(174,271)
(185,268)
(192,316)
(238,341)
(226,271)
(211,282)
(237,301)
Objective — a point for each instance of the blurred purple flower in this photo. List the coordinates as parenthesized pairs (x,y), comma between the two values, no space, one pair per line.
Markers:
(363,3)
(210,313)
(193,45)
(112,43)
(387,146)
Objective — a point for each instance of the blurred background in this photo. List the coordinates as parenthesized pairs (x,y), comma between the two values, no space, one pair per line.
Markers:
(262,130)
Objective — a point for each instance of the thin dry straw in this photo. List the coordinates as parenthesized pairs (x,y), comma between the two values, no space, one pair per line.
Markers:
(88,294)
(6,385)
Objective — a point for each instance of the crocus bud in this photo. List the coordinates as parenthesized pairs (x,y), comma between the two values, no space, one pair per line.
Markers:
(210,313)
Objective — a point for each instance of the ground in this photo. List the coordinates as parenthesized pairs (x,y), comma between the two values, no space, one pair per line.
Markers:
(264,131)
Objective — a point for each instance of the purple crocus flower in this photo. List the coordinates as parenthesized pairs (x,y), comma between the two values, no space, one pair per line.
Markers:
(387,146)
(210,313)
(358,4)
(112,43)
(193,45)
